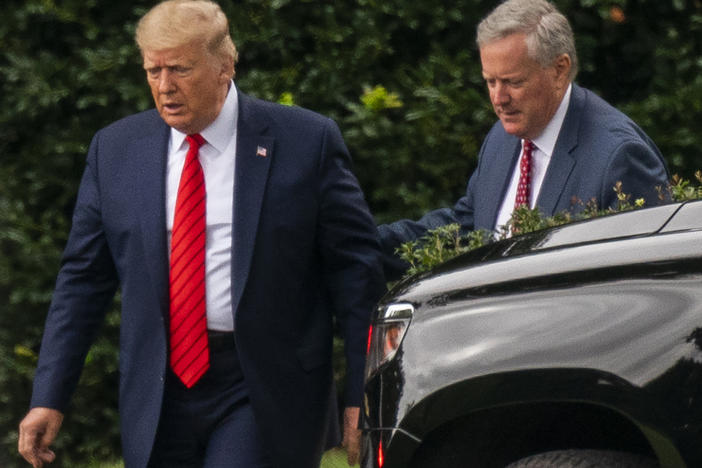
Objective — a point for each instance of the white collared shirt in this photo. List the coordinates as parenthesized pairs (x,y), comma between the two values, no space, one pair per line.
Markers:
(540,158)
(217,158)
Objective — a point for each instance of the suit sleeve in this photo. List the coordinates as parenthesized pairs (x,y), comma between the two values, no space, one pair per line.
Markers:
(350,254)
(641,169)
(85,285)
(393,235)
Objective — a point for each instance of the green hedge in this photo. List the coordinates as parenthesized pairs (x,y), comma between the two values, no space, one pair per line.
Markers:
(446,242)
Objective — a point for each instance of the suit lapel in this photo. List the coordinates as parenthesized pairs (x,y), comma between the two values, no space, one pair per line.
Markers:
(562,161)
(151,154)
(254,153)
(503,162)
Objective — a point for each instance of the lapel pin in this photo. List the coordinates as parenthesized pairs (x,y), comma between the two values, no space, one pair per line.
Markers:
(261,151)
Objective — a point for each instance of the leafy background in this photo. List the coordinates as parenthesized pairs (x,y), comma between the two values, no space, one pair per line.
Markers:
(401,78)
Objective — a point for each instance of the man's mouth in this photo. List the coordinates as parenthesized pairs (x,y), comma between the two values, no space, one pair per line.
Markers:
(508,113)
(171,107)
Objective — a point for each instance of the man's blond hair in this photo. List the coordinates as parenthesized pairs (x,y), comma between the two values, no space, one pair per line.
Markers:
(174,23)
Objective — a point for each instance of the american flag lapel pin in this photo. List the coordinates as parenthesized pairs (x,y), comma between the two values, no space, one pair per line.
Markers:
(261,152)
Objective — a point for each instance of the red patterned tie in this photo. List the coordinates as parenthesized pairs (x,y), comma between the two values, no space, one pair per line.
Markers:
(189,356)
(524,187)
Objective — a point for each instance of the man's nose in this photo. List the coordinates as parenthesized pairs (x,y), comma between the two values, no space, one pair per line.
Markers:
(500,95)
(165,81)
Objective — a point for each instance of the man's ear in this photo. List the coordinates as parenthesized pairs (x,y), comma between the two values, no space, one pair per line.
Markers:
(227,71)
(562,66)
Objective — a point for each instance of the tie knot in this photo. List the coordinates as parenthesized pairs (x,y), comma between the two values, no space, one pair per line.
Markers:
(195,140)
(528,146)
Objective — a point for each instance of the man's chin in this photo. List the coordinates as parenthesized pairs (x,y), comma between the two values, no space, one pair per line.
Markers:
(513,128)
(174,121)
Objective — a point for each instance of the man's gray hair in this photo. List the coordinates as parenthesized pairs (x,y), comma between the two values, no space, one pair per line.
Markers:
(548,33)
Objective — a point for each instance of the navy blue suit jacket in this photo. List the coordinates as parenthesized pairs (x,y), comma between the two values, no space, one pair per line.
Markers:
(305,249)
(596,147)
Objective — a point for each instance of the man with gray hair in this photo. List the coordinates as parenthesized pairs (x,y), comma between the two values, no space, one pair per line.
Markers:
(554,144)
(237,235)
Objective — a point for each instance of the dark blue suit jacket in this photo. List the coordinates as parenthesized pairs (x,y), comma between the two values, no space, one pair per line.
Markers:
(596,147)
(305,249)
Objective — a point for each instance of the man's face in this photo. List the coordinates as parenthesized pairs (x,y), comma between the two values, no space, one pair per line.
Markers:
(188,85)
(524,94)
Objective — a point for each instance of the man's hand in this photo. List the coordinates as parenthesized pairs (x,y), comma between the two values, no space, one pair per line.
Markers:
(352,435)
(37,432)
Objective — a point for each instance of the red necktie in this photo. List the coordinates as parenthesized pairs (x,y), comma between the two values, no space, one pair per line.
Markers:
(524,187)
(189,353)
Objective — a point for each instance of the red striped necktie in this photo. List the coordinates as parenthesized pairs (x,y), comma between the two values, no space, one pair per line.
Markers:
(189,353)
(524,187)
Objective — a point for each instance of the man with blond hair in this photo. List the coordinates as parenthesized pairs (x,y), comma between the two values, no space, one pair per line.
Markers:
(556,145)
(236,233)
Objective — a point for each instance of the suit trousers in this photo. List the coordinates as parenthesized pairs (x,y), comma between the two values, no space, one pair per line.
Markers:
(212,424)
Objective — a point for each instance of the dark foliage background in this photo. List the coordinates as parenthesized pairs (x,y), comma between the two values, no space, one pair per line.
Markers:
(401,78)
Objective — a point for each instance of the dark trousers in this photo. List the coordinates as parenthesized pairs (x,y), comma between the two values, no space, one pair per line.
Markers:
(210,425)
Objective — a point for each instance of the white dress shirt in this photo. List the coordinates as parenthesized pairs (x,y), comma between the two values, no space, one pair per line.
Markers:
(540,157)
(217,157)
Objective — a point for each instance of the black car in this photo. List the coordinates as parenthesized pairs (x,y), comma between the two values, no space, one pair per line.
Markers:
(576,344)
